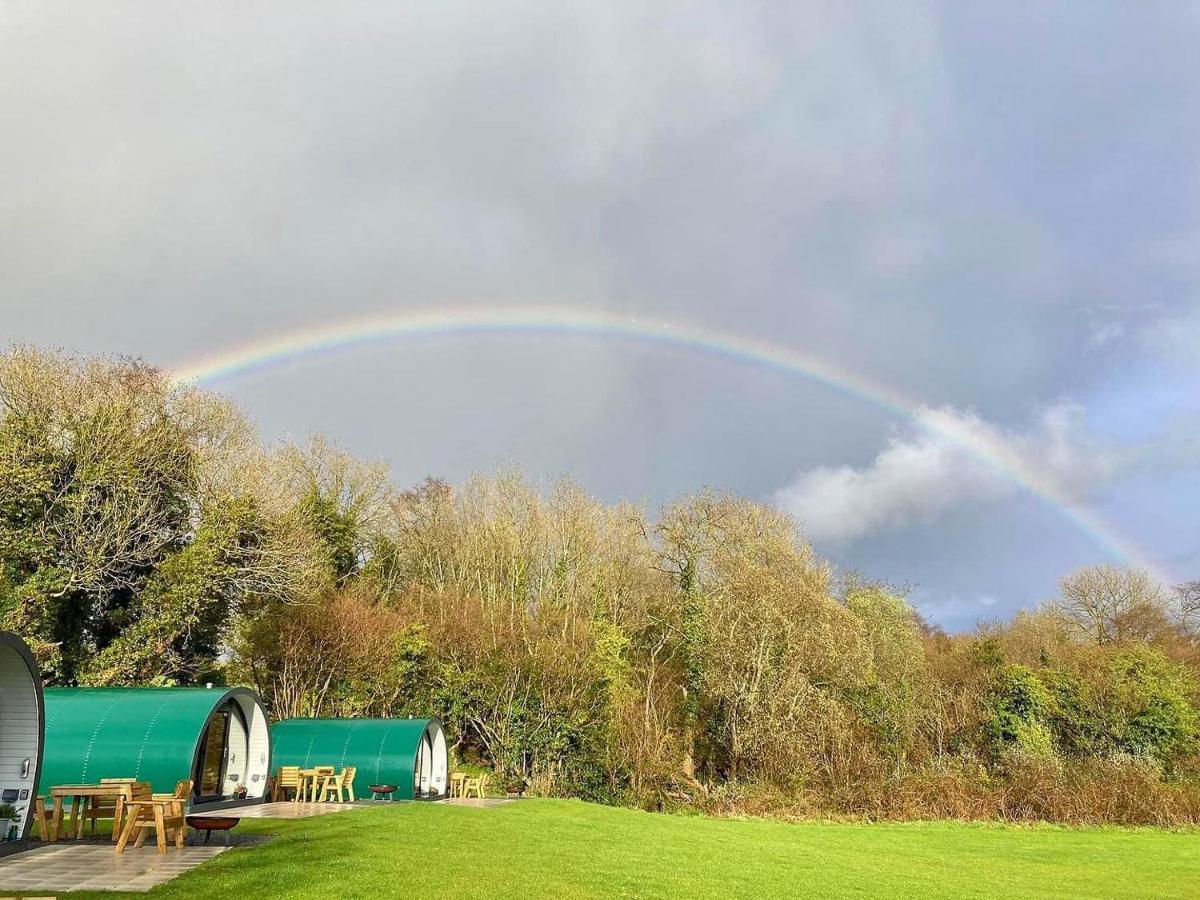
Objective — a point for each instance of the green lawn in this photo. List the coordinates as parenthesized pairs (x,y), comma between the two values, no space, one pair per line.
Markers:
(553,848)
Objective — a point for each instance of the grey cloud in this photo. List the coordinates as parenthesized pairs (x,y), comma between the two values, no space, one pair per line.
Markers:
(966,201)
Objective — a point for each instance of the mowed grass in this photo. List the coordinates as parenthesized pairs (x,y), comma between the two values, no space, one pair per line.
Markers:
(558,848)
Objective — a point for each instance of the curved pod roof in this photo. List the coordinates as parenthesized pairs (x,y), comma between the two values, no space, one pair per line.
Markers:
(408,753)
(218,737)
(22,723)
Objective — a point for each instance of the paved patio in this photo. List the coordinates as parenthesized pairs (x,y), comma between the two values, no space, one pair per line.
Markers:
(287,809)
(95,867)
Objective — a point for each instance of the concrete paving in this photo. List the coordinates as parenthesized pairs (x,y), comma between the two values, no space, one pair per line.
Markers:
(287,809)
(97,867)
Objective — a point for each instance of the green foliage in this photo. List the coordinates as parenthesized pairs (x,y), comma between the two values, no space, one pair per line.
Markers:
(1018,706)
(97,485)
(1154,700)
(336,529)
(890,703)
(177,623)
(404,671)
(987,653)
(1074,715)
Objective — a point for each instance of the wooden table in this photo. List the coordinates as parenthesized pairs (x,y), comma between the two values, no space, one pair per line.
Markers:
(119,793)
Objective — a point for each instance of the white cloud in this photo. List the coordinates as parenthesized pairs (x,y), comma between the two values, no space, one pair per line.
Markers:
(1104,334)
(948,459)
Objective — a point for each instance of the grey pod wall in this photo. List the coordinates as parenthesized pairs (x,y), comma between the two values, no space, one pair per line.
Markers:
(22,731)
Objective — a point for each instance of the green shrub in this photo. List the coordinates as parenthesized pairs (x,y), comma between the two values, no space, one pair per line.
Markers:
(1018,706)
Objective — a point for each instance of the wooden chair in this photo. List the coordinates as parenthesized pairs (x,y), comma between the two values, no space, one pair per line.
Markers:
(457,782)
(478,784)
(182,792)
(164,816)
(339,785)
(303,785)
(288,779)
(320,775)
(178,801)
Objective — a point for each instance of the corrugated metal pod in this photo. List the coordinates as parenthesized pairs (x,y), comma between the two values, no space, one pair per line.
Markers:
(163,736)
(408,753)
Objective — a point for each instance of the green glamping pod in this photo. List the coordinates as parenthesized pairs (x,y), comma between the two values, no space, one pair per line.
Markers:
(407,753)
(22,719)
(217,737)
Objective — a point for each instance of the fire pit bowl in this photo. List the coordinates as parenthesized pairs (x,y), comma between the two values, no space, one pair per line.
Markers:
(381,790)
(209,824)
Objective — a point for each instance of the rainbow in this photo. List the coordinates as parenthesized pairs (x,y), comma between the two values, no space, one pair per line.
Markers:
(261,354)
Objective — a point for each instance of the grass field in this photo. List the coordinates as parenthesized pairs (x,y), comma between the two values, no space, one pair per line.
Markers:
(552,848)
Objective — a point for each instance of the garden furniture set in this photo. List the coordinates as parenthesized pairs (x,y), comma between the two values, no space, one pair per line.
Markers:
(319,783)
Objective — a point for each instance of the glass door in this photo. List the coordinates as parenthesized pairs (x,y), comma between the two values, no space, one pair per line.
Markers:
(212,758)
(420,780)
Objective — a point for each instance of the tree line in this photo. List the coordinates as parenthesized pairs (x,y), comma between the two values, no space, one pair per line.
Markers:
(700,657)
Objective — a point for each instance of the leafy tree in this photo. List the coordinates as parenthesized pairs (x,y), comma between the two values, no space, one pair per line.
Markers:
(1154,698)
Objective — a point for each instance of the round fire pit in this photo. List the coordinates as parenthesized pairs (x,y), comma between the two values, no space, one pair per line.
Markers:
(209,824)
(382,789)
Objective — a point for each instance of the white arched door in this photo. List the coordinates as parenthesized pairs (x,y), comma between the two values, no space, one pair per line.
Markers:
(423,768)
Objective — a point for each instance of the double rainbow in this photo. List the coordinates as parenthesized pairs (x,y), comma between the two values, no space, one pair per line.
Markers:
(262,354)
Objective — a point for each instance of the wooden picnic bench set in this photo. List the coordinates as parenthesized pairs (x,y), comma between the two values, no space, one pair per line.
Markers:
(318,783)
(132,806)
(463,785)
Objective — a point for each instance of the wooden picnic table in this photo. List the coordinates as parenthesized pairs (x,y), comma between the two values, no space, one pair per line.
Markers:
(121,793)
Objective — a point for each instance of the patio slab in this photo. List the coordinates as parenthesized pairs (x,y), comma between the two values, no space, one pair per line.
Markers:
(96,867)
(287,809)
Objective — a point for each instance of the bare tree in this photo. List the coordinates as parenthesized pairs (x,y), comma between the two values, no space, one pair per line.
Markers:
(1111,604)
(1186,606)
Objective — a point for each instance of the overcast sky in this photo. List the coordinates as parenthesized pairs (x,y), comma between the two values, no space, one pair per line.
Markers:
(992,207)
